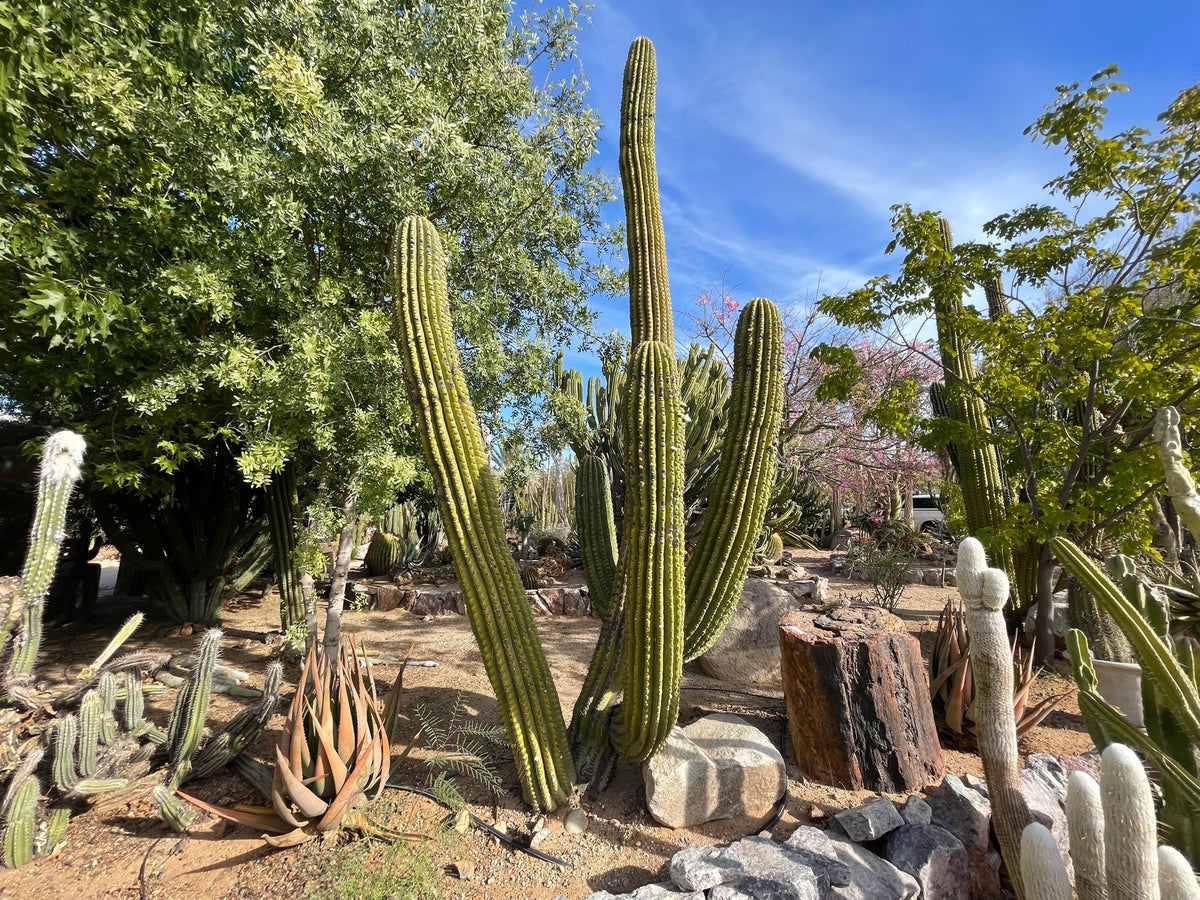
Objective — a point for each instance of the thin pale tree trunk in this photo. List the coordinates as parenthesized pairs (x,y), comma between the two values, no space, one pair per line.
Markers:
(341,570)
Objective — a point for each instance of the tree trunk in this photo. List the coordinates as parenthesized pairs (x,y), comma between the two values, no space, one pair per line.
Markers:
(341,570)
(858,703)
(1043,651)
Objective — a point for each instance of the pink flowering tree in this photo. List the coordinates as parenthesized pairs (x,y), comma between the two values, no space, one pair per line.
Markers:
(855,407)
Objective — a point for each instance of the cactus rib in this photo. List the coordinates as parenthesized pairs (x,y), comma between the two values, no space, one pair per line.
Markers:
(597,532)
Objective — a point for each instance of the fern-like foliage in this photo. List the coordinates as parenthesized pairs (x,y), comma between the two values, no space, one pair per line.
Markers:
(457,746)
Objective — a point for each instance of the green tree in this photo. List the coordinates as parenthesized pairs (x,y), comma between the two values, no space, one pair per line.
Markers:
(196,202)
(1097,329)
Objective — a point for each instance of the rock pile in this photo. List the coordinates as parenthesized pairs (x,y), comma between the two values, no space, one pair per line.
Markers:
(937,847)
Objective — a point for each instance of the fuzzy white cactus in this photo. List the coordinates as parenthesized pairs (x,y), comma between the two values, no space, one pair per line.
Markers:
(1111,825)
(1085,826)
(984,592)
(1180,484)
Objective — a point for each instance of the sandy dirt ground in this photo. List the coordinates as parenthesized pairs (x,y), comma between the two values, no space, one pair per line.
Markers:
(121,849)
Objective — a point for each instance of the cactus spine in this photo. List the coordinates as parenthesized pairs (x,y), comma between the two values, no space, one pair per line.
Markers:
(653,562)
(458,461)
(738,502)
(984,592)
(62,461)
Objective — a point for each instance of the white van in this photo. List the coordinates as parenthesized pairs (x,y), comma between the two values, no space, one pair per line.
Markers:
(927,513)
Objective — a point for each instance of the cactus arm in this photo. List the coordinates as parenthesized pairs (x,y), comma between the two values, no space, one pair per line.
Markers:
(1130,830)
(742,490)
(454,452)
(1176,687)
(650,315)
(65,739)
(1042,867)
(597,531)
(89,733)
(984,592)
(18,822)
(653,563)
(1085,826)
(1176,880)
(1180,484)
(61,468)
(186,725)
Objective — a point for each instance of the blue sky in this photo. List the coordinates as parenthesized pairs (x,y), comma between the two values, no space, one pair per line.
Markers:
(785,131)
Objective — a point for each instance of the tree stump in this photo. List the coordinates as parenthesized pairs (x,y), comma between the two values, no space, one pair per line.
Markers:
(858,704)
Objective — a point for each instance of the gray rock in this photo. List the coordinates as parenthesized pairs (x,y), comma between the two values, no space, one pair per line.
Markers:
(915,576)
(748,650)
(1060,623)
(933,577)
(718,767)
(916,811)
(871,876)
(1044,784)
(870,821)
(962,811)
(751,887)
(819,853)
(931,855)
(664,891)
(951,579)
(701,868)
(763,858)
(811,589)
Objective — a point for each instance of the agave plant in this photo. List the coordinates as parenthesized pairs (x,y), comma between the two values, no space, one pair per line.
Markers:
(333,757)
(952,682)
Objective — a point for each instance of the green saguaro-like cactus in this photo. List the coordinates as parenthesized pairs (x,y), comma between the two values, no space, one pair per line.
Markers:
(453,448)
(652,567)
(746,475)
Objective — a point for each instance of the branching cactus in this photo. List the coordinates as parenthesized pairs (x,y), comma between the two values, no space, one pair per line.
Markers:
(62,461)
(1180,484)
(453,447)
(984,592)
(1113,838)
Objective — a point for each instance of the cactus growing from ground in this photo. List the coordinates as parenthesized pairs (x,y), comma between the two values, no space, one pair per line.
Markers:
(597,532)
(61,468)
(453,448)
(1113,838)
(984,592)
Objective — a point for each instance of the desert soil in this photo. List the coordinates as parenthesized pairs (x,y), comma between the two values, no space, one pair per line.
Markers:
(123,849)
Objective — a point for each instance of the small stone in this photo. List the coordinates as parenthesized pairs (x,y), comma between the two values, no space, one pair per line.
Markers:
(463,870)
(962,811)
(754,888)
(916,811)
(871,876)
(701,868)
(819,853)
(576,822)
(539,837)
(870,821)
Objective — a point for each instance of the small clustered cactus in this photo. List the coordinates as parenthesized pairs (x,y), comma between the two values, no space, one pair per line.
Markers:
(93,737)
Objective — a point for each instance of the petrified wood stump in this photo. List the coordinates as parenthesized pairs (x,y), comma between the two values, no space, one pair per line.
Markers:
(858,701)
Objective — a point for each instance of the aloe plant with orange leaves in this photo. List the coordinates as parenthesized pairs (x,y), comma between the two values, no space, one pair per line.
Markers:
(952,681)
(332,758)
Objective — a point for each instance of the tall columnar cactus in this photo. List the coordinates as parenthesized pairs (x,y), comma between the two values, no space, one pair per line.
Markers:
(739,497)
(984,493)
(652,564)
(282,512)
(597,533)
(984,592)
(1112,840)
(62,461)
(650,314)
(454,451)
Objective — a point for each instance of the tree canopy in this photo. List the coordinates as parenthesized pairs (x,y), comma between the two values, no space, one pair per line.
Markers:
(197,201)
(1097,326)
